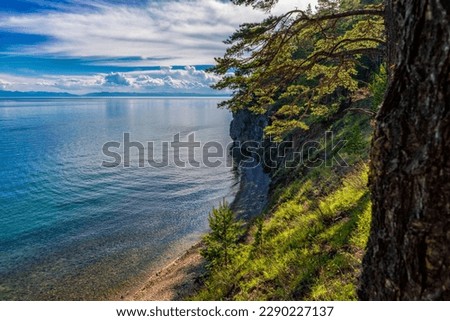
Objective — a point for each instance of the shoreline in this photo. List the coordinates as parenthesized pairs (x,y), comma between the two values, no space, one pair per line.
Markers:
(173,282)
(181,277)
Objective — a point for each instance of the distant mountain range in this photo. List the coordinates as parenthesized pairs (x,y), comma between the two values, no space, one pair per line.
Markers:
(44,94)
(37,94)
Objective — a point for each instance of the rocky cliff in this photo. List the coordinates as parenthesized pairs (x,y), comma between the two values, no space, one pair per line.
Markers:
(247,130)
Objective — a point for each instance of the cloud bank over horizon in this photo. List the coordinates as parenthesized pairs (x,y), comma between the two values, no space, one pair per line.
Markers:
(164,80)
(81,46)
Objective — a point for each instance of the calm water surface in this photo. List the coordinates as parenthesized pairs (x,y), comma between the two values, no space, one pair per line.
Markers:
(72,229)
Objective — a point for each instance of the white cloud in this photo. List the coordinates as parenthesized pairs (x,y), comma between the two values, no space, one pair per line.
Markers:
(166,32)
(4,84)
(116,79)
(165,80)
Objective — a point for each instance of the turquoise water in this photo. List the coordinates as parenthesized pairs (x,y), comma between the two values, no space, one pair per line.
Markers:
(72,229)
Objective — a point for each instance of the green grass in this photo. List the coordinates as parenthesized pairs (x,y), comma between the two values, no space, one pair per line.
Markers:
(312,237)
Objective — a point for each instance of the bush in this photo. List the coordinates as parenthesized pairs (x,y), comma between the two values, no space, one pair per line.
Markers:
(221,242)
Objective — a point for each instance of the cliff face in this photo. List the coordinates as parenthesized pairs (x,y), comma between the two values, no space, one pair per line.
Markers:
(247,130)
(247,126)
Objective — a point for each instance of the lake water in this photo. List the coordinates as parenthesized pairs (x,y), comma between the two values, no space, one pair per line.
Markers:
(73,229)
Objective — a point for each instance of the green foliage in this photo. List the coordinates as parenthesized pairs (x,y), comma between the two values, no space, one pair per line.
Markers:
(221,242)
(259,236)
(306,255)
(296,66)
(378,87)
(309,245)
(357,136)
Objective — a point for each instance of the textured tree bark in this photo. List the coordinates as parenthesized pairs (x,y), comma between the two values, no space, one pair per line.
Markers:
(408,255)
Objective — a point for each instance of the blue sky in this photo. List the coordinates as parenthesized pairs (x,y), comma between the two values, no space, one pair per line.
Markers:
(82,46)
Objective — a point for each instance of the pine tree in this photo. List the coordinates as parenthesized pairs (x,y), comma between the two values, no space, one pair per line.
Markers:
(408,256)
(220,243)
(297,65)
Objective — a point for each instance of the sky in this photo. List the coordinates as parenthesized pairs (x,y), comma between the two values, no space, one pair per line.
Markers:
(142,46)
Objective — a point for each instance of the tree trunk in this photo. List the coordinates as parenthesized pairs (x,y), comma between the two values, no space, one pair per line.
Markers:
(408,255)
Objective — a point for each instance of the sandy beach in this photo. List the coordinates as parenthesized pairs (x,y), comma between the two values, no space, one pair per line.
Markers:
(175,282)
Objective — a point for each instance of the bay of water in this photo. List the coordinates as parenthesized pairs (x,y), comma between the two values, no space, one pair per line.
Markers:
(72,229)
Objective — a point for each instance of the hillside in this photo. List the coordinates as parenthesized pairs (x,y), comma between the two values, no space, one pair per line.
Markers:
(309,241)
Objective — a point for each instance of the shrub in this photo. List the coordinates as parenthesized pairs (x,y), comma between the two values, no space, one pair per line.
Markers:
(221,242)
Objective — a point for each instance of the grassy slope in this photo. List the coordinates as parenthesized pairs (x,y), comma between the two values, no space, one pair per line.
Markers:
(309,243)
